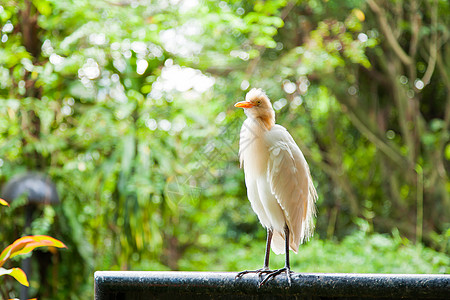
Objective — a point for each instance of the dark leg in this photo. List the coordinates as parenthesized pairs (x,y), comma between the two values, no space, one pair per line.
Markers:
(266,257)
(287,266)
(268,242)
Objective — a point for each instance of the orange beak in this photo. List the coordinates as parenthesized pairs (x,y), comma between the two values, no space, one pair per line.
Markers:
(244,104)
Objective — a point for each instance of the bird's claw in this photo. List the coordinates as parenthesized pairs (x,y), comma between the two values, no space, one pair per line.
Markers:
(259,272)
(272,274)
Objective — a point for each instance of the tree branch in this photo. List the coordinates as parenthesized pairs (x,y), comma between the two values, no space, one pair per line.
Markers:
(384,147)
(433,46)
(443,71)
(415,21)
(387,31)
(393,70)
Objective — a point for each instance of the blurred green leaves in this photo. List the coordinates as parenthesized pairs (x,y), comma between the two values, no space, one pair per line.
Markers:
(146,165)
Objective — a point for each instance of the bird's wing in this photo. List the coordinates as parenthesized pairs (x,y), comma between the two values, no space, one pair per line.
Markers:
(290,182)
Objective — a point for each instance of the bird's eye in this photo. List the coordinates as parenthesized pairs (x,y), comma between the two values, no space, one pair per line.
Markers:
(258,102)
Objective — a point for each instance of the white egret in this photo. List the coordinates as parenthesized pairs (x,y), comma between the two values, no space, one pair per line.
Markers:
(278,180)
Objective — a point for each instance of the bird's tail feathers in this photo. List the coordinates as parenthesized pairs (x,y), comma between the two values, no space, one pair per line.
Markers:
(278,244)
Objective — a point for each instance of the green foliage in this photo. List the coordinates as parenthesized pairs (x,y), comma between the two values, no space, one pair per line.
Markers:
(359,252)
(146,166)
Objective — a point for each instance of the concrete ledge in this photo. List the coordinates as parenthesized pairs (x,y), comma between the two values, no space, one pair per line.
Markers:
(206,285)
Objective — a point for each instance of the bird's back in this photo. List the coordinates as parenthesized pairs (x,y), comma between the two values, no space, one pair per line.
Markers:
(290,181)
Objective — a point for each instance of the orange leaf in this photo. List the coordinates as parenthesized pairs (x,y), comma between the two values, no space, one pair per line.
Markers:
(3,202)
(27,244)
(16,246)
(39,241)
(17,273)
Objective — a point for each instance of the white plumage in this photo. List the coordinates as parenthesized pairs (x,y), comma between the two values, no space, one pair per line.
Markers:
(277,176)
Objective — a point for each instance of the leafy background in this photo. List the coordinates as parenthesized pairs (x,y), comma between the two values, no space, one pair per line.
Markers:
(128,107)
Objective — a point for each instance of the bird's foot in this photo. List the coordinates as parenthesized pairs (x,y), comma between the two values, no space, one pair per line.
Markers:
(272,274)
(259,272)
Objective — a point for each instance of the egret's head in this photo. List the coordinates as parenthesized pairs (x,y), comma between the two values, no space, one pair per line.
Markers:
(257,106)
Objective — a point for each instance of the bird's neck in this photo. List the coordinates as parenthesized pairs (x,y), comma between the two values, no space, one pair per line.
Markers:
(268,122)
(261,124)
(265,120)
